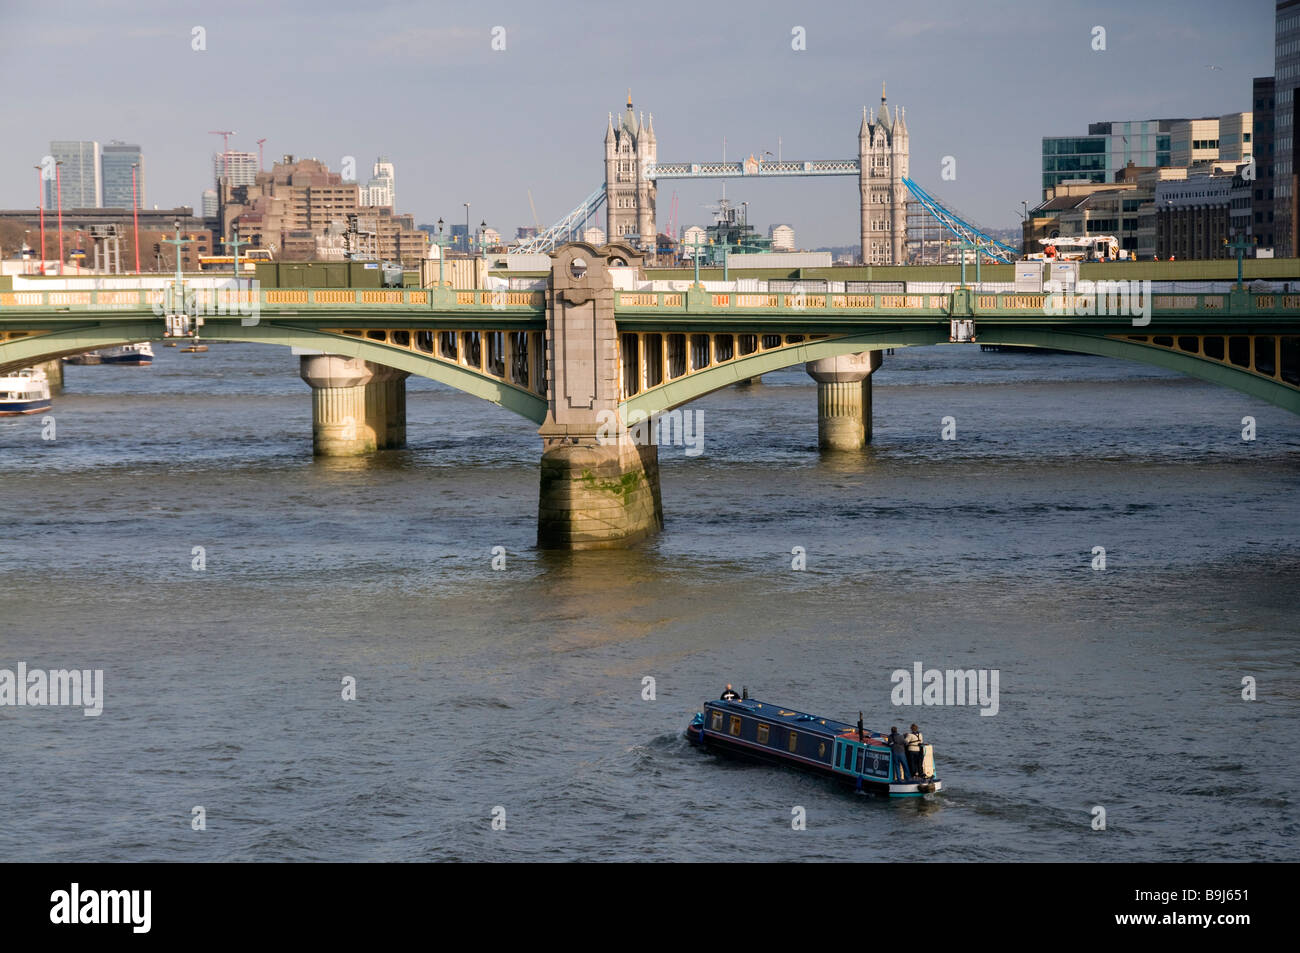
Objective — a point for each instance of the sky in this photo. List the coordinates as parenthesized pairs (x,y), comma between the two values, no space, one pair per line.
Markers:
(981,81)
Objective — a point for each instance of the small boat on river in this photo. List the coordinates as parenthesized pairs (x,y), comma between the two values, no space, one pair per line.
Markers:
(136,355)
(26,391)
(755,730)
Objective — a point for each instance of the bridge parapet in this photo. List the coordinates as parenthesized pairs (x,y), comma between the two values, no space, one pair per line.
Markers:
(276,299)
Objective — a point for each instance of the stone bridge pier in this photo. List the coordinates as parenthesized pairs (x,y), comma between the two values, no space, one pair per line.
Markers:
(599,489)
(357,406)
(844,399)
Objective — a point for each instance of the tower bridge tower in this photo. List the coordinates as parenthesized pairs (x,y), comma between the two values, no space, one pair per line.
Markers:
(883,164)
(630,148)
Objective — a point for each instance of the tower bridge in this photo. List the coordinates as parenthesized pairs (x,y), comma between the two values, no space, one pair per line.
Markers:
(632,174)
(568,356)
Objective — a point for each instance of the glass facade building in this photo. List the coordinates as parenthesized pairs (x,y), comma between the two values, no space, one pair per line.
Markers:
(1286,76)
(115,162)
(1105,151)
(78,180)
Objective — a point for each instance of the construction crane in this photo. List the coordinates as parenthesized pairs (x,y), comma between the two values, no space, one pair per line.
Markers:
(671,230)
(259,154)
(225,135)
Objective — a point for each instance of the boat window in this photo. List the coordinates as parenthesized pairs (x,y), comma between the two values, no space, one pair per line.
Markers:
(735,725)
(717,721)
(794,741)
(764,732)
(861,755)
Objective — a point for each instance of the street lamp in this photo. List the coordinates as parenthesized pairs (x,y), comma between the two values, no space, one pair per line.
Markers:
(442,251)
(40,198)
(58,188)
(482,238)
(135,217)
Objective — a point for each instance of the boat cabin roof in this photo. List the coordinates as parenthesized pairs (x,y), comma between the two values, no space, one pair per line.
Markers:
(798,720)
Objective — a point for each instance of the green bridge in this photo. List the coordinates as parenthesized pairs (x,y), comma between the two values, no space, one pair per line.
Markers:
(582,354)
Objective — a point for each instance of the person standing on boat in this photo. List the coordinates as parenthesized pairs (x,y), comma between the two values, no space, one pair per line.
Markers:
(914,739)
(898,755)
(730,694)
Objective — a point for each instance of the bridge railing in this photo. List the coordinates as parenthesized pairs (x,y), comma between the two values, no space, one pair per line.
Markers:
(272,299)
(945,304)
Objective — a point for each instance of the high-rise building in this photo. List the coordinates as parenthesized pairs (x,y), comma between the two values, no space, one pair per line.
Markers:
(629,195)
(1286,77)
(209,208)
(883,164)
(79,174)
(782,237)
(296,207)
(381,189)
(238,168)
(1261,205)
(116,161)
(1107,149)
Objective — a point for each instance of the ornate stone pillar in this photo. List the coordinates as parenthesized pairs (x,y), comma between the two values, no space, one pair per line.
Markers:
(386,406)
(599,490)
(844,399)
(54,374)
(339,425)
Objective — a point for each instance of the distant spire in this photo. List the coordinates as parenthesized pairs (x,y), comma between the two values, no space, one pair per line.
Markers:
(866,124)
(629,97)
(882,92)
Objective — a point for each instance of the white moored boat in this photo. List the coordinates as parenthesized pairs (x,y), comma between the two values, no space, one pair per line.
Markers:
(138,354)
(24,392)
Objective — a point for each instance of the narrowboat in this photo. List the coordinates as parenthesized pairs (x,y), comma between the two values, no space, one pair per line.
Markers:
(756,730)
(138,355)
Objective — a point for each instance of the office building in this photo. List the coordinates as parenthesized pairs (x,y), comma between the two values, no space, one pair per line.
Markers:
(782,237)
(1107,149)
(239,168)
(1286,76)
(116,162)
(79,175)
(382,187)
(1262,213)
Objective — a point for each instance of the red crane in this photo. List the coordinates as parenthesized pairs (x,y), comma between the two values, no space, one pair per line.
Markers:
(671,229)
(225,135)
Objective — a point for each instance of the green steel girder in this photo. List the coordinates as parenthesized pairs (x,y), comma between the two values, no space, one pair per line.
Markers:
(87,337)
(688,388)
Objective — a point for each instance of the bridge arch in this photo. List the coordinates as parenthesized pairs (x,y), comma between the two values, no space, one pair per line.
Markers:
(685,389)
(37,347)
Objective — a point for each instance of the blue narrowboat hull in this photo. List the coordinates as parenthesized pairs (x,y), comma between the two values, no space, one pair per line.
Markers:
(14,408)
(757,731)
